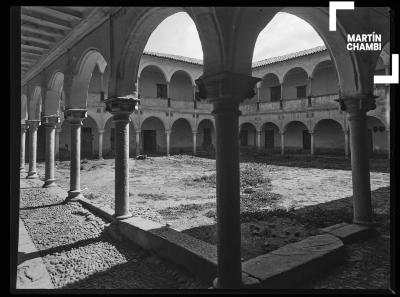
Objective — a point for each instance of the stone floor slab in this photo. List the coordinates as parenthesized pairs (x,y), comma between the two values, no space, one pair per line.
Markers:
(31,272)
(294,263)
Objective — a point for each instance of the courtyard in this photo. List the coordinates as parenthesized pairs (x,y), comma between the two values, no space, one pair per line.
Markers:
(280,204)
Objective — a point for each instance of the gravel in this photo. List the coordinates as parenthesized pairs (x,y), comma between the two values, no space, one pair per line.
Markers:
(79,253)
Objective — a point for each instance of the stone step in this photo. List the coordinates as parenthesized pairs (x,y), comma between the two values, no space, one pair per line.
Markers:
(293,264)
(348,232)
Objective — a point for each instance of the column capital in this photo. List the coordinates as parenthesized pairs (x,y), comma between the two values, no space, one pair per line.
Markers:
(50,121)
(138,131)
(75,116)
(24,126)
(226,87)
(101,131)
(167,131)
(282,132)
(357,103)
(122,107)
(195,132)
(33,123)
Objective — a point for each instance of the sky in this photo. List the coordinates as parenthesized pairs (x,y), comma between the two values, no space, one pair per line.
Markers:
(284,34)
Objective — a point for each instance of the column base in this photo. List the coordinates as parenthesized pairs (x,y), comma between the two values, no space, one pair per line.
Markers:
(32,175)
(73,196)
(49,183)
(101,159)
(123,217)
(22,169)
(248,282)
(363,223)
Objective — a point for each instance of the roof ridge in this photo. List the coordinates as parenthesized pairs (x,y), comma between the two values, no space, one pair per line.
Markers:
(260,63)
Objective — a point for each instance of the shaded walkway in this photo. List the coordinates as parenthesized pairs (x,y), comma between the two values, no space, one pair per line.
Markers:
(79,254)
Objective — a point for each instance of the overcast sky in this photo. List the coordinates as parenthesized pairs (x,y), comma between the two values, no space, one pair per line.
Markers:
(284,34)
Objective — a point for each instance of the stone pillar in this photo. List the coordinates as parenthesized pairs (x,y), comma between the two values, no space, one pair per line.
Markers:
(33,126)
(258,132)
(168,134)
(346,143)
(309,90)
(138,142)
(312,146)
(194,93)
(50,123)
(356,108)
(57,144)
(24,127)
(101,134)
(282,142)
(194,142)
(225,91)
(281,101)
(121,109)
(168,89)
(75,118)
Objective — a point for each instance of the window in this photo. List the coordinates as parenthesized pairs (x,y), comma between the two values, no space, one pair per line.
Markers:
(275,93)
(302,91)
(161,91)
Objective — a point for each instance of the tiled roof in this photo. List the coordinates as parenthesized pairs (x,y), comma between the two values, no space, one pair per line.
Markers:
(289,56)
(175,57)
(255,64)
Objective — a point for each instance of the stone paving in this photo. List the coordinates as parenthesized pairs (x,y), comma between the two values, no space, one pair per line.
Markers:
(79,254)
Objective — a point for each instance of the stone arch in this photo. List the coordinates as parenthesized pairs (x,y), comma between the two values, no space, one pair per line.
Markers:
(270,136)
(329,137)
(270,80)
(54,93)
(324,79)
(181,86)
(148,81)
(140,30)
(153,135)
(292,79)
(297,137)
(247,134)
(179,69)
(345,61)
(181,136)
(82,76)
(377,135)
(205,135)
(24,108)
(35,104)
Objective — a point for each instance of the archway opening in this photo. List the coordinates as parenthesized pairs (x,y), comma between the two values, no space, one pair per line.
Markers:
(152,84)
(324,79)
(181,137)
(295,84)
(153,136)
(297,138)
(270,137)
(205,136)
(181,87)
(377,137)
(247,135)
(329,138)
(270,88)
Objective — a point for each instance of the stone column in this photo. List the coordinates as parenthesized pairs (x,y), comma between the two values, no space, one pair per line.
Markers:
(282,142)
(138,142)
(57,144)
(33,126)
(75,118)
(309,90)
(258,132)
(50,123)
(225,91)
(346,143)
(356,108)
(194,142)
(281,101)
(101,134)
(312,146)
(24,127)
(121,108)
(168,134)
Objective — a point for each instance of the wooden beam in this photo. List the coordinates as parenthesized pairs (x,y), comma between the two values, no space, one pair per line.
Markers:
(45,22)
(32,49)
(29,37)
(58,12)
(28,59)
(34,44)
(33,28)
(29,54)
